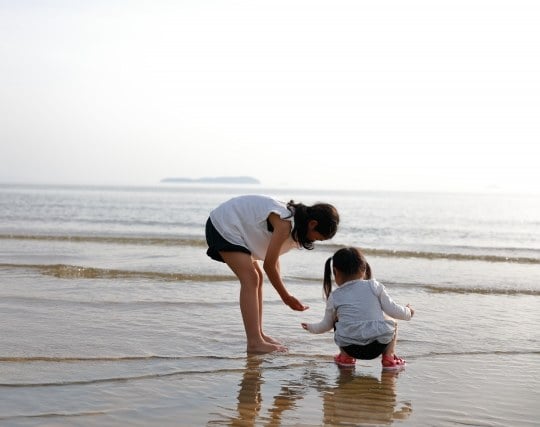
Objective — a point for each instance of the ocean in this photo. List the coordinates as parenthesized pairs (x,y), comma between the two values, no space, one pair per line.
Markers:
(113,315)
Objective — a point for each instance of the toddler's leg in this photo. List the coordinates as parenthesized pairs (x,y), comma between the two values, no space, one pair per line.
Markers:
(389,358)
(391,348)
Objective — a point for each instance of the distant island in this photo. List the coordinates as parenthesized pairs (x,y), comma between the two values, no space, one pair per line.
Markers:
(214,180)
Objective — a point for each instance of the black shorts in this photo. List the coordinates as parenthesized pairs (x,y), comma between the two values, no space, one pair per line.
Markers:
(217,244)
(365,352)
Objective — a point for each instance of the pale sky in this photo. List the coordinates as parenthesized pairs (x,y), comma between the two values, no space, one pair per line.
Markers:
(400,95)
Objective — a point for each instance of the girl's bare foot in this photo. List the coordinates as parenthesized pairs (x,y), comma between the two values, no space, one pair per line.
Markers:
(265,347)
(271,340)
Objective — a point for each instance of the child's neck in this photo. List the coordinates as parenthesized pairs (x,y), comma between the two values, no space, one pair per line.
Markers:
(344,279)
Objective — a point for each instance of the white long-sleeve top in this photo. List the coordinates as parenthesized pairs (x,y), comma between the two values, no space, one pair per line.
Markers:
(357,309)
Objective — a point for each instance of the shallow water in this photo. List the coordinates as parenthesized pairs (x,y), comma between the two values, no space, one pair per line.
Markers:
(113,315)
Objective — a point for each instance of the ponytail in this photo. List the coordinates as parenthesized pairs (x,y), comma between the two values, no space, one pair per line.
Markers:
(327,283)
(326,215)
(367,274)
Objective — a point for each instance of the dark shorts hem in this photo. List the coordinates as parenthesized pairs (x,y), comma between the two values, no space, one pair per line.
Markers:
(365,352)
(217,243)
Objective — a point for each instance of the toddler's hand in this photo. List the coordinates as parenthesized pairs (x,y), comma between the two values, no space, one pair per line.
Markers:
(412,310)
(304,325)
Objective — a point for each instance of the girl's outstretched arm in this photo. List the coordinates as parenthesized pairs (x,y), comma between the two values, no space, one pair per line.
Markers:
(282,231)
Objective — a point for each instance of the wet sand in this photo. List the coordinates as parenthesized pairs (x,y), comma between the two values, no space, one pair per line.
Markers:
(479,390)
(300,390)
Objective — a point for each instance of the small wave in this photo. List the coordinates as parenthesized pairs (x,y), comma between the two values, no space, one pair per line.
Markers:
(158,241)
(331,247)
(479,290)
(390,253)
(313,358)
(83,359)
(58,359)
(123,379)
(64,271)
(474,353)
(55,415)
(147,376)
(436,288)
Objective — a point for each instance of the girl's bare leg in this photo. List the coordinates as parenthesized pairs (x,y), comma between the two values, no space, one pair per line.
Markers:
(250,306)
(267,338)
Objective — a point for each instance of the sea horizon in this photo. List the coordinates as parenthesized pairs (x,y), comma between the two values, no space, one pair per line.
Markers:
(253,188)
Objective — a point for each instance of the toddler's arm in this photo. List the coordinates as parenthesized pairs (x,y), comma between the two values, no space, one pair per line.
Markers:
(326,324)
(389,306)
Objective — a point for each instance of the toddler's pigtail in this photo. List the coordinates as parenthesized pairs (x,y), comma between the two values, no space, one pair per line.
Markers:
(327,284)
(367,275)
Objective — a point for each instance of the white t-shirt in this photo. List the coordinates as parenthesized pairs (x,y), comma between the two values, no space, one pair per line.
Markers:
(242,221)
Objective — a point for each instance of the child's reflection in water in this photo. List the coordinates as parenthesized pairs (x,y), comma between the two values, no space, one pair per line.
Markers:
(249,395)
(363,399)
(354,398)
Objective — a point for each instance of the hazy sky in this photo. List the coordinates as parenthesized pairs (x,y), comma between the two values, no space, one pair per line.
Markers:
(334,94)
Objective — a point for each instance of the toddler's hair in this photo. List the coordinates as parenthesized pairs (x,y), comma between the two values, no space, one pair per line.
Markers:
(326,215)
(349,261)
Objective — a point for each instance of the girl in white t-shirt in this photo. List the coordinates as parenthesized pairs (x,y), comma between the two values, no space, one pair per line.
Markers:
(358,310)
(245,229)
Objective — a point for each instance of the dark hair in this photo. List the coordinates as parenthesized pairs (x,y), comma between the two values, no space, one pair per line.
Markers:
(326,215)
(349,261)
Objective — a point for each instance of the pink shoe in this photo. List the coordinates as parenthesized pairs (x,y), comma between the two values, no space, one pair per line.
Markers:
(392,363)
(344,361)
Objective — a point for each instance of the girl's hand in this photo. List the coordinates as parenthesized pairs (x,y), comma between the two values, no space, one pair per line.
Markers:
(304,325)
(412,310)
(294,303)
